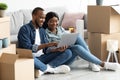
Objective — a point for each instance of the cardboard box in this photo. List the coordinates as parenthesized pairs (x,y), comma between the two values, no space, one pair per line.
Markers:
(5,28)
(97,43)
(17,66)
(10,49)
(104,19)
(118,54)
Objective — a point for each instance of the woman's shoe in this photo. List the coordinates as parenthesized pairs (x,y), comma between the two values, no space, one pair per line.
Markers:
(111,66)
(94,67)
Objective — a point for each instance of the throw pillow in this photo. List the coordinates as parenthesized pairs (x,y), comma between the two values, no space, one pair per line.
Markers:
(69,19)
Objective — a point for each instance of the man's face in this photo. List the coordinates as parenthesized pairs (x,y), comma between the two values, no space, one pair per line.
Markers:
(40,18)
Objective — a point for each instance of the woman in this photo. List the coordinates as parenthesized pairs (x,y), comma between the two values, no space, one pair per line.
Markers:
(80,48)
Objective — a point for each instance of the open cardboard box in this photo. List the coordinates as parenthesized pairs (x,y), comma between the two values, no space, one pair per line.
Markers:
(118,55)
(18,66)
(10,49)
(104,19)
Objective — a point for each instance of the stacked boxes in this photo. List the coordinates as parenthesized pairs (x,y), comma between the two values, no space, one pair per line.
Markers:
(118,55)
(103,24)
(14,64)
(5,28)
(5,33)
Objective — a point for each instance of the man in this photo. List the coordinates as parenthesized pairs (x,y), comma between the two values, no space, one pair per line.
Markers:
(32,36)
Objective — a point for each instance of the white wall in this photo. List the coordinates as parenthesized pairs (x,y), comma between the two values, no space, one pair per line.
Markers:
(72,5)
(20,4)
(105,2)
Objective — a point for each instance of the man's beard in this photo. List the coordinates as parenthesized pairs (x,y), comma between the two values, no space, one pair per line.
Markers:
(37,24)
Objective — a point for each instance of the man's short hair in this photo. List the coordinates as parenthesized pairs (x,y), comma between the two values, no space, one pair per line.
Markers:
(35,10)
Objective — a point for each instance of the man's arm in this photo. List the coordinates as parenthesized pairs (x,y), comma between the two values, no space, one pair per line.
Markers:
(24,39)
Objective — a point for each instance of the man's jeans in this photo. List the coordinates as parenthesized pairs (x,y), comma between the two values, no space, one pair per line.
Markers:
(53,59)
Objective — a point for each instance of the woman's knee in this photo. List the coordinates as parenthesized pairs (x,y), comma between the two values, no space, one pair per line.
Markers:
(75,47)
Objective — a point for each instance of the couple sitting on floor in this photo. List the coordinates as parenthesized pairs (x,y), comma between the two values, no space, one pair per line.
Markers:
(42,33)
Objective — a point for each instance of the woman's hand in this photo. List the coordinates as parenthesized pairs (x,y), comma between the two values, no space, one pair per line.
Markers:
(61,49)
(52,44)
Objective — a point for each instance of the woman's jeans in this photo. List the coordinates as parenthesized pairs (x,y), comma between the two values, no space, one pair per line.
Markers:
(81,49)
(53,59)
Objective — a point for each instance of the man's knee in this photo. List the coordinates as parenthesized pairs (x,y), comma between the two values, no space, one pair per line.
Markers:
(68,53)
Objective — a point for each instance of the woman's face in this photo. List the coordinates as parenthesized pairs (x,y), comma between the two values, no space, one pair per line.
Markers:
(53,23)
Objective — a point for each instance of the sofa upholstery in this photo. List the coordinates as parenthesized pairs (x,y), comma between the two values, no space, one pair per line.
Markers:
(23,16)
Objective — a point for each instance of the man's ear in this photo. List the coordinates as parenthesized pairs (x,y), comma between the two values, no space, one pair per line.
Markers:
(33,16)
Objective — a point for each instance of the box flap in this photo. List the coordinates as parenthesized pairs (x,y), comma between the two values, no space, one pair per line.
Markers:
(8,58)
(24,53)
(116,8)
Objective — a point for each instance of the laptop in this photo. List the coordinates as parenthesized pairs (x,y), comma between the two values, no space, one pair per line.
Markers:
(68,39)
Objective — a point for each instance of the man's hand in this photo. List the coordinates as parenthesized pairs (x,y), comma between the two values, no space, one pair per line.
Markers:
(42,46)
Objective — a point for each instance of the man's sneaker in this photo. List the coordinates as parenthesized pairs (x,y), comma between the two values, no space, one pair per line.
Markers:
(62,69)
(38,73)
(111,66)
(94,67)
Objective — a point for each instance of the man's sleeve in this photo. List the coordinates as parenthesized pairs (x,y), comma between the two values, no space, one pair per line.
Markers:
(24,40)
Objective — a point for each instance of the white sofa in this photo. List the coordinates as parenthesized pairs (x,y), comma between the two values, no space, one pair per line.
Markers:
(23,16)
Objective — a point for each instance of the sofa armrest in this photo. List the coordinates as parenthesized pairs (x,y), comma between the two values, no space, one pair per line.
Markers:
(80,27)
(14,40)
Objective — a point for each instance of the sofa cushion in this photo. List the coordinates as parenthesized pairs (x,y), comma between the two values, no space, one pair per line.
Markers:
(69,19)
(27,15)
(16,21)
